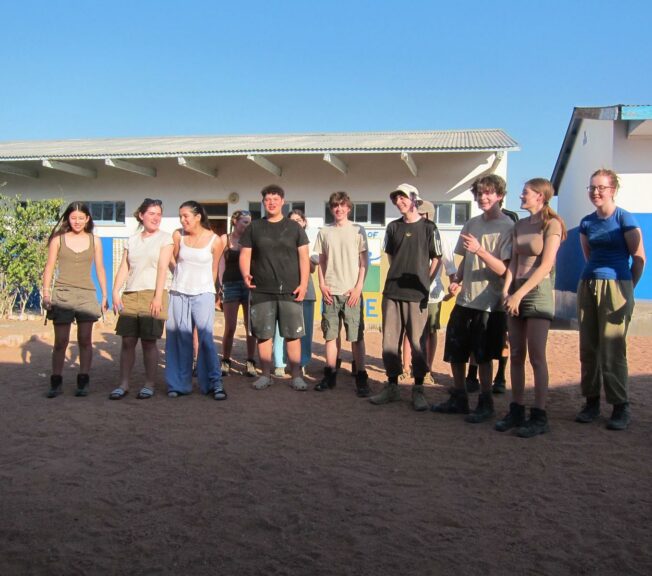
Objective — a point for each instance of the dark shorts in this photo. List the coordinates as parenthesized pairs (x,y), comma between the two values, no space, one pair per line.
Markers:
(135,319)
(73,304)
(264,315)
(474,332)
(235,292)
(434,313)
(538,302)
(337,313)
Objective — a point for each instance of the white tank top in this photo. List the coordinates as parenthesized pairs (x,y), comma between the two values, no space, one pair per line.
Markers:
(194,270)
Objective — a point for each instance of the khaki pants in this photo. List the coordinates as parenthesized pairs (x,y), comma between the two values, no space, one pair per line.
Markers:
(404,318)
(604,310)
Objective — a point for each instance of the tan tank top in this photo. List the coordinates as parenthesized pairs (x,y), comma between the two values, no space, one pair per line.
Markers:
(75,267)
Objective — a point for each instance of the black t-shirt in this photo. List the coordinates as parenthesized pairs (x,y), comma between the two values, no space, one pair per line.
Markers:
(274,255)
(411,247)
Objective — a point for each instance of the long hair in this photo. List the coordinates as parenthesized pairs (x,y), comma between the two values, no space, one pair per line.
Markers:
(235,217)
(546,189)
(63,225)
(298,212)
(147,203)
(197,208)
(615,181)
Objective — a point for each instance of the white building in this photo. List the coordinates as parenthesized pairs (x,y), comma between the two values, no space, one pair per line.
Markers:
(614,137)
(226,173)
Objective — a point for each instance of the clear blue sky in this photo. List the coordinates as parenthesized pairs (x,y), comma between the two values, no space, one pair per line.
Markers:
(75,68)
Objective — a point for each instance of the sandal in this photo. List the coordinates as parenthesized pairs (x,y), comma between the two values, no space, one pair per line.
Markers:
(145,393)
(219,394)
(118,394)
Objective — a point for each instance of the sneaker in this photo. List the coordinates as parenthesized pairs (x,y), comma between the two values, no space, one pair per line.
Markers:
(515,418)
(362,389)
(279,372)
(499,386)
(457,403)
(428,379)
(262,383)
(250,369)
(55,386)
(225,366)
(483,411)
(620,417)
(590,411)
(219,393)
(472,384)
(419,402)
(299,384)
(535,425)
(390,393)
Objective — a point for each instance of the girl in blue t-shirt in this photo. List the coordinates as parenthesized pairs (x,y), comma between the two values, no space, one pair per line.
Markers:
(612,244)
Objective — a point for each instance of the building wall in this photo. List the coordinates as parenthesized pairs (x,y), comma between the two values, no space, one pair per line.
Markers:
(371,177)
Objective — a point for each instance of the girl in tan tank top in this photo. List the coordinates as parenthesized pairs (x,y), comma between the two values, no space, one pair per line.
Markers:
(74,249)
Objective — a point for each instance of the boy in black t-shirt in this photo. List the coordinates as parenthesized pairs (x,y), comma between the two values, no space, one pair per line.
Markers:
(413,248)
(275,265)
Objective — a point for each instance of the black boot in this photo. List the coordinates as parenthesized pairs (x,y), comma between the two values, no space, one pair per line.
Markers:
(328,381)
(362,389)
(458,403)
(55,386)
(472,382)
(82,385)
(483,411)
(536,424)
(513,419)
(590,411)
(620,417)
(499,380)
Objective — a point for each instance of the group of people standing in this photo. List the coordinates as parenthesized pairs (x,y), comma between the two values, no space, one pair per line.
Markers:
(503,284)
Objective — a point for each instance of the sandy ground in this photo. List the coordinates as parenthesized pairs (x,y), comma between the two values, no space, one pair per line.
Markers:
(279,482)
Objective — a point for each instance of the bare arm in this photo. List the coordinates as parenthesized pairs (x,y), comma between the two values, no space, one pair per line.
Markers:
(101,272)
(304,271)
(586,249)
(321,274)
(356,292)
(118,281)
(218,250)
(48,272)
(495,264)
(634,239)
(245,267)
(164,257)
(222,264)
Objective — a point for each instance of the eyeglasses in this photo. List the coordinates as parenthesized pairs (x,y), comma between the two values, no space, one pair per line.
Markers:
(600,188)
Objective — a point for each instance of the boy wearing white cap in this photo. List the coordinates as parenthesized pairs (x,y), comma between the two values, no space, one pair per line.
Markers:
(413,249)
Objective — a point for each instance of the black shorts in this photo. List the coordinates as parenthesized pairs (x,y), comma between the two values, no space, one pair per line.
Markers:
(474,332)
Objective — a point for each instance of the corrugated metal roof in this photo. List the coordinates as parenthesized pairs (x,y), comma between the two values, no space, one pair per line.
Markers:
(315,143)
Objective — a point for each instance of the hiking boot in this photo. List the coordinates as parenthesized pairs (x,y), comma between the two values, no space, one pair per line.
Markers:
(472,384)
(620,417)
(590,411)
(250,368)
(82,385)
(328,381)
(419,402)
(483,411)
(390,393)
(55,386)
(515,418)
(458,403)
(362,389)
(225,366)
(536,424)
(499,386)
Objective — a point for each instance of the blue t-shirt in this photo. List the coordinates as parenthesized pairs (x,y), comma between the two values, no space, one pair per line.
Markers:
(609,258)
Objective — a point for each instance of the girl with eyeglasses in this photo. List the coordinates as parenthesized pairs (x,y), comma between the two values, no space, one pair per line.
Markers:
(234,293)
(612,243)
(143,305)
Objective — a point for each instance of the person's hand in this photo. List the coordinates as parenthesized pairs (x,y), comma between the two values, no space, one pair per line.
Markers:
(471,243)
(104,304)
(117,303)
(47,301)
(155,306)
(454,288)
(353,296)
(300,293)
(512,303)
(249,281)
(326,294)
